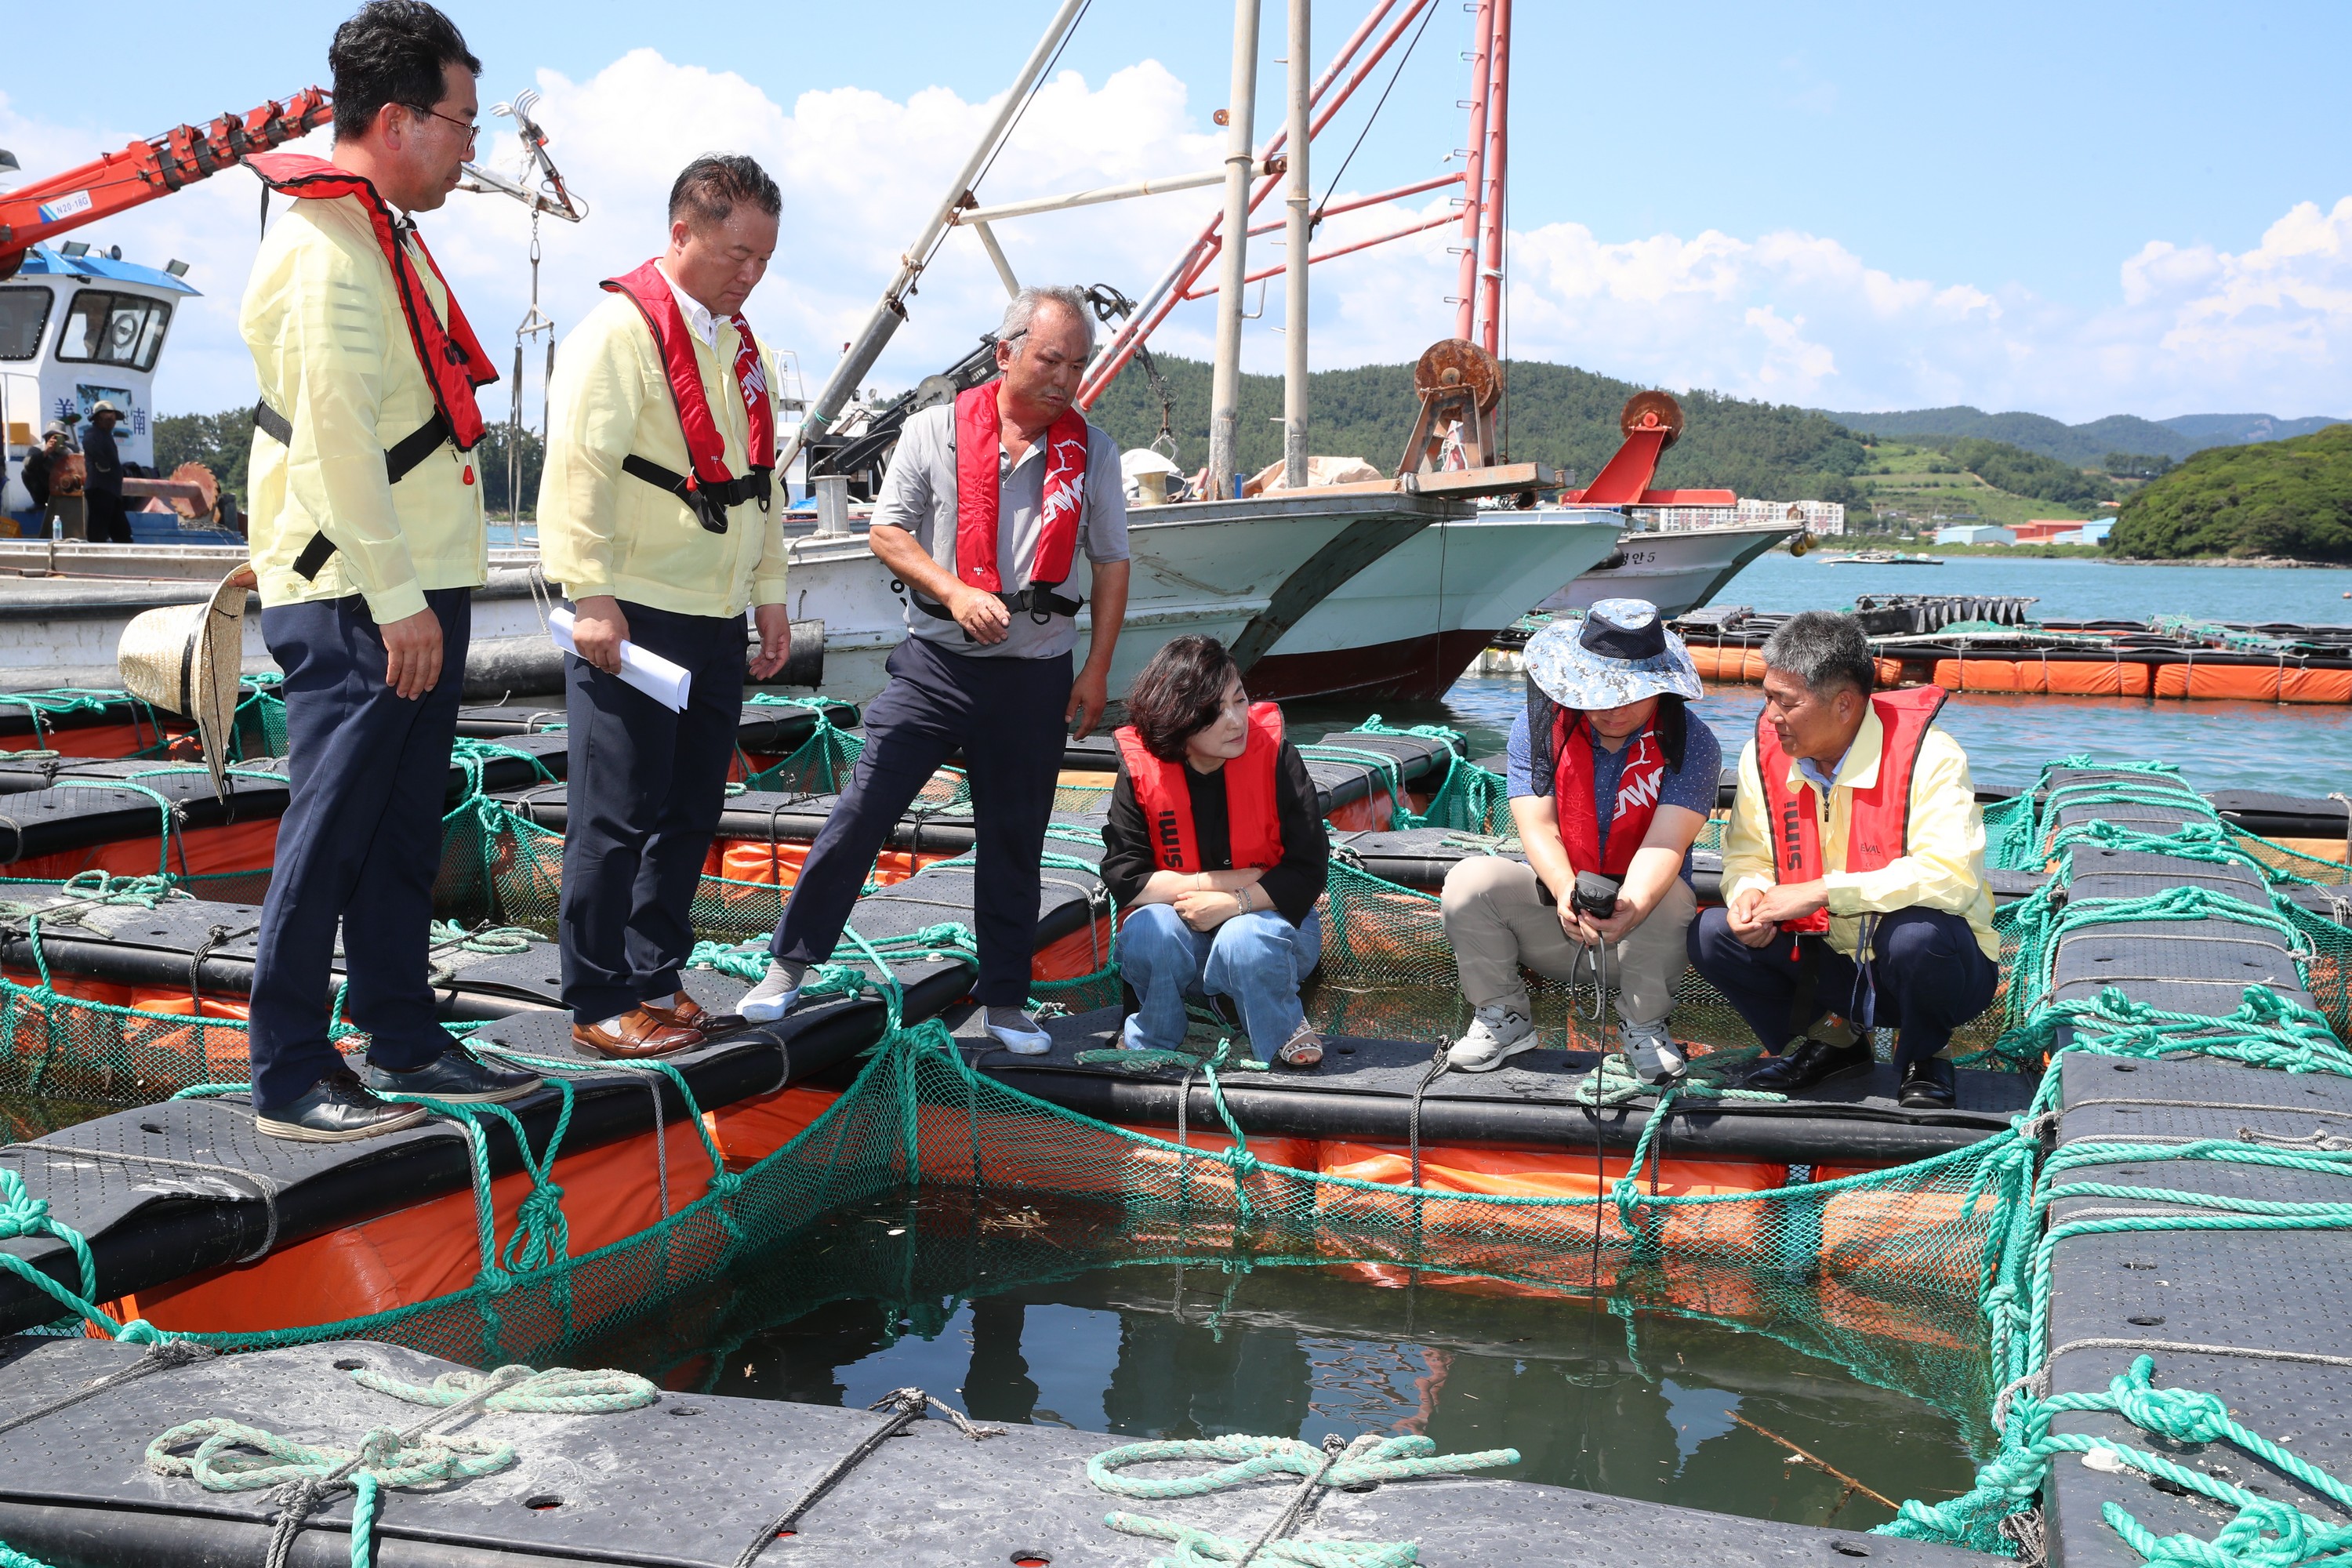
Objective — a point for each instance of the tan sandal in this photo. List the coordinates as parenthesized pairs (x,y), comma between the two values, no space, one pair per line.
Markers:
(1304,1048)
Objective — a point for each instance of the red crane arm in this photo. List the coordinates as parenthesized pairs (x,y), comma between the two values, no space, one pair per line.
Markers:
(116,182)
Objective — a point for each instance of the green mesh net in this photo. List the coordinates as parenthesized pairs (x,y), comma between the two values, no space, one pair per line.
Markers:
(258,728)
(1913,1270)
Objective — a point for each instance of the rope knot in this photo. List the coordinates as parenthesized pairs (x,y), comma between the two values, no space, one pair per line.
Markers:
(2183,1415)
(380,1449)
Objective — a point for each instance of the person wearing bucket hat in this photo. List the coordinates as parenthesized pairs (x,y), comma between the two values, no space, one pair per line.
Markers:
(368,541)
(1610,781)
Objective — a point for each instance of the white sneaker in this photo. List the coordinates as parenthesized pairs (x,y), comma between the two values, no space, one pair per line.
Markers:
(1031,1041)
(1655,1056)
(769,1000)
(1496,1034)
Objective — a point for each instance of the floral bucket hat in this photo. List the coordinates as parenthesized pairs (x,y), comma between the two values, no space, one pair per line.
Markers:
(1619,652)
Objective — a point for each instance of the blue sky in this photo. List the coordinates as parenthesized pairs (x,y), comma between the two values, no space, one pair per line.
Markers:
(1854,206)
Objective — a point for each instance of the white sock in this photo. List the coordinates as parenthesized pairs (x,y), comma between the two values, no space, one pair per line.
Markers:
(780,978)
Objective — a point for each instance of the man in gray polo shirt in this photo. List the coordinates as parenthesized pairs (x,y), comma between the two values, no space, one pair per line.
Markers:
(990,503)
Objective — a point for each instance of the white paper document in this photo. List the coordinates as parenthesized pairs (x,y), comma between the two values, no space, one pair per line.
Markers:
(650,673)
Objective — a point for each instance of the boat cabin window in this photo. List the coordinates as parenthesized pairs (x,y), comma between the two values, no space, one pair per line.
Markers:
(107,328)
(23,314)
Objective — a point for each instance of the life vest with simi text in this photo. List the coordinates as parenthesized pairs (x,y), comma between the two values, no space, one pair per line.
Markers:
(1879,823)
(710,489)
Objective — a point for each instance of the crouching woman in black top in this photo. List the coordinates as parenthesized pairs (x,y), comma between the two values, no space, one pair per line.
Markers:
(1217,852)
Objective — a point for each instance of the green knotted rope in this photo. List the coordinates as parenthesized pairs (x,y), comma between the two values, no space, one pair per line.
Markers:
(2266,1533)
(502,941)
(557,1391)
(1242,1460)
(231,1457)
(1711,1077)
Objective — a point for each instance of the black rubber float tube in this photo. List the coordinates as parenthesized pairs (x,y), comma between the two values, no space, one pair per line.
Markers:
(172,1239)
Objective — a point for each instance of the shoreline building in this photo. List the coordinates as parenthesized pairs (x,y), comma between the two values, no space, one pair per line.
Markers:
(1819,517)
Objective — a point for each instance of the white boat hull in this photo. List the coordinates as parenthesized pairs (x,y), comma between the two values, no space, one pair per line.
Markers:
(1237,571)
(1676,572)
(1405,628)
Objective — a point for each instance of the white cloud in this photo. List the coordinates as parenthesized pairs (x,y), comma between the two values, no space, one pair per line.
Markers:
(1788,316)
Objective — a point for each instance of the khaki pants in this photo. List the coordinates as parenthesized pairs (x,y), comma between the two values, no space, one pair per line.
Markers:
(1495,922)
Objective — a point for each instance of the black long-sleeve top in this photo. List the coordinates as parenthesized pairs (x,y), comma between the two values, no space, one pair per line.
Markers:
(1291,885)
(103,460)
(36,475)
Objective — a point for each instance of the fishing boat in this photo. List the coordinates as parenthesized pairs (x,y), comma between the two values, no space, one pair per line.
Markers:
(78,327)
(1881,558)
(1677,572)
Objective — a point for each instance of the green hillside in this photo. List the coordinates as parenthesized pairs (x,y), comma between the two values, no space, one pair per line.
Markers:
(2291,498)
(2242,429)
(2080,446)
(1557,415)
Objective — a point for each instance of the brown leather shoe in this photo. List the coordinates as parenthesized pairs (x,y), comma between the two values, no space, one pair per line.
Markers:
(637,1033)
(681,1010)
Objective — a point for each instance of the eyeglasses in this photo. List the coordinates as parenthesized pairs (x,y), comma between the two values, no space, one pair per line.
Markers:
(472,131)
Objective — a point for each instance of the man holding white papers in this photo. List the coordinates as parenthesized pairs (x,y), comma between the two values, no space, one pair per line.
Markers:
(658,514)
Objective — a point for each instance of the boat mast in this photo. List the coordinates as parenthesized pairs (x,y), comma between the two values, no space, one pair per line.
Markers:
(1490,201)
(891,309)
(1481,50)
(1296,236)
(1224,395)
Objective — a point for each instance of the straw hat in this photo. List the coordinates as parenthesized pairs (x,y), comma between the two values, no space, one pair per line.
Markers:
(186,658)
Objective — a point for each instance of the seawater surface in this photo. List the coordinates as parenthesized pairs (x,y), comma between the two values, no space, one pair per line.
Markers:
(1057,1312)
(2301,750)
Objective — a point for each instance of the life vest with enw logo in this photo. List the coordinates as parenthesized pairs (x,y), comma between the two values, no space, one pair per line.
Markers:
(1879,822)
(711,489)
(1252,826)
(450,356)
(979,441)
(1639,784)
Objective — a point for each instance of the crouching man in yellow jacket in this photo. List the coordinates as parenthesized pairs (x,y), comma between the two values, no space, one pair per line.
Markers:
(659,514)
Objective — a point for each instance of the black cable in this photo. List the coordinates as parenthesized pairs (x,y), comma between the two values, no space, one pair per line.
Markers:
(1315,218)
(1018,115)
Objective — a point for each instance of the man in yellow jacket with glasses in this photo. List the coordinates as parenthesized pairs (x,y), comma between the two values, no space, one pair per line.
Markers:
(367,539)
(660,514)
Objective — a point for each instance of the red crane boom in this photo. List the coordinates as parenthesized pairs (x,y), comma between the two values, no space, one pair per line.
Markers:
(116,182)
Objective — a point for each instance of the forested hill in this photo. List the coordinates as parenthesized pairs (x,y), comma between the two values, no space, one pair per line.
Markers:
(1558,414)
(2290,498)
(2087,446)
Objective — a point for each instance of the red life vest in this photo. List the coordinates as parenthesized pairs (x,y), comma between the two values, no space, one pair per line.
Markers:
(978,441)
(1252,826)
(1877,832)
(453,361)
(1571,792)
(711,486)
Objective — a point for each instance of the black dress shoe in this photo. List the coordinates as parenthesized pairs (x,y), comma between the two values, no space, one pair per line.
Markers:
(1927,1085)
(1814,1061)
(454,1077)
(336,1110)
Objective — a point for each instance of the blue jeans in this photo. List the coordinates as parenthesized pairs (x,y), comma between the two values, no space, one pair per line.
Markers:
(1256,960)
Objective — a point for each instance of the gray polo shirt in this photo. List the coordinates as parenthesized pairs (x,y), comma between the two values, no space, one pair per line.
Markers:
(919,494)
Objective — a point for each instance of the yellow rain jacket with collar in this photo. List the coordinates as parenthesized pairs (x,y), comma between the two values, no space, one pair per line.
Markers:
(1942,866)
(603,531)
(333,352)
